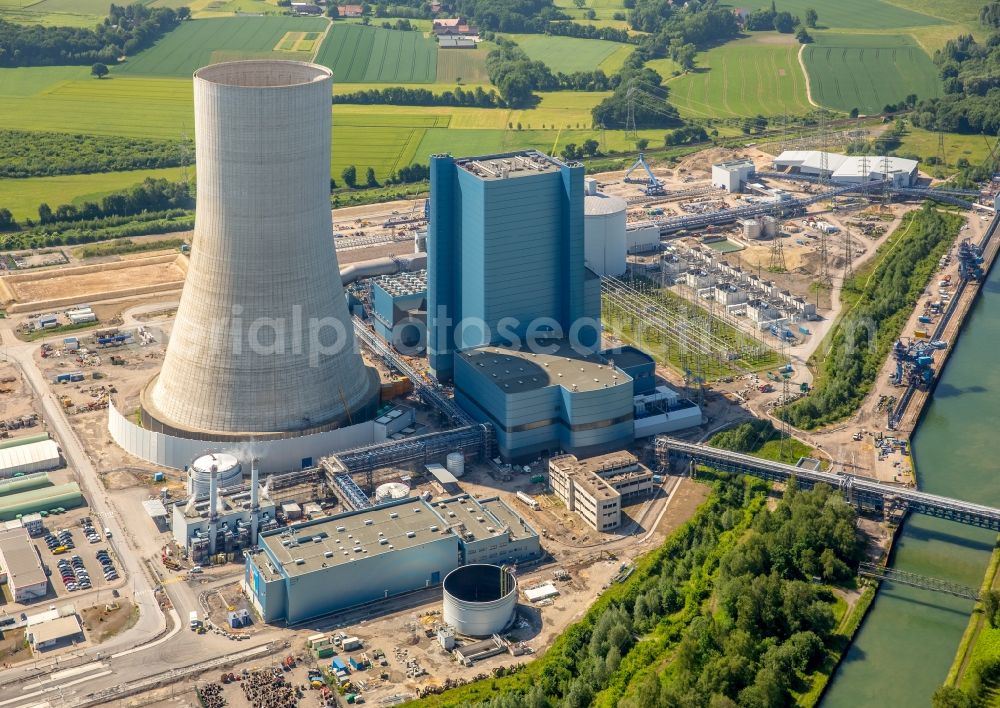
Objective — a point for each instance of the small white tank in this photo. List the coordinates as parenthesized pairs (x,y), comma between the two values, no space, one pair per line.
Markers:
(455,463)
(226,467)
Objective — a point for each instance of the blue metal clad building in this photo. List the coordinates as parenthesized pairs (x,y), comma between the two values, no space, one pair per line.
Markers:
(399,312)
(332,563)
(639,365)
(505,240)
(540,402)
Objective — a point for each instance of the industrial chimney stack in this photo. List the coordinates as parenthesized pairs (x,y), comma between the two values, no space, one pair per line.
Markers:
(263,342)
(254,499)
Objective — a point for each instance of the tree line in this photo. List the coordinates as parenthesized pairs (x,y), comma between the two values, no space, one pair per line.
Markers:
(405,175)
(41,154)
(152,195)
(970,73)
(126,30)
(403,96)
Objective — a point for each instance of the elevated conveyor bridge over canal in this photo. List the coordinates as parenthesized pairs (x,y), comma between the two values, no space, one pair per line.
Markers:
(866,494)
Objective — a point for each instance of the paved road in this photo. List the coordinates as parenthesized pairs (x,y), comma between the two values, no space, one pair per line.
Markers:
(148,647)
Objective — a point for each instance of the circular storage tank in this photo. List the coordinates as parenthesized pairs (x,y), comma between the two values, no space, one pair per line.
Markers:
(480,599)
(455,463)
(230,473)
(391,490)
(604,234)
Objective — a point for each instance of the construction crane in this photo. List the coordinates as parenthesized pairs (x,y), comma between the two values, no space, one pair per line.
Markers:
(654,187)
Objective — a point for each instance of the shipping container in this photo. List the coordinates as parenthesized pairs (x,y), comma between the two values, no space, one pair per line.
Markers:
(351,643)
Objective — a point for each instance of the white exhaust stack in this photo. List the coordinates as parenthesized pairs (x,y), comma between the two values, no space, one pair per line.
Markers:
(254,498)
(213,507)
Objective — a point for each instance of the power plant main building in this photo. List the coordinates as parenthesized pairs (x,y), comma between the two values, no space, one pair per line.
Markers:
(263,344)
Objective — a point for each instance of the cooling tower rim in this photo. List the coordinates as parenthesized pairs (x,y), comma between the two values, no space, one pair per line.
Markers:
(219,74)
(153,419)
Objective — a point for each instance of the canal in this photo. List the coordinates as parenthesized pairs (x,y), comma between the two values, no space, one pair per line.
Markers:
(906,645)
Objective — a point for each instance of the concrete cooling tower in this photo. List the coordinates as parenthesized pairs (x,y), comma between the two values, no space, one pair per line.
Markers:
(262,345)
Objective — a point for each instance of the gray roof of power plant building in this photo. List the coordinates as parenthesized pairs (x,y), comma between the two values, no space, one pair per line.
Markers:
(509,165)
(22,564)
(339,540)
(477,519)
(519,370)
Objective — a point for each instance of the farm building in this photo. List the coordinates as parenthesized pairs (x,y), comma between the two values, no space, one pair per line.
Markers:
(848,169)
(33,457)
(453,26)
(447,41)
(21,567)
(350,10)
(329,564)
(306,8)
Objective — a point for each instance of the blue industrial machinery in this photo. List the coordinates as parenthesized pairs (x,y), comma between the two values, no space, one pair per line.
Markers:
(914,363)
(970,261)
(654,187)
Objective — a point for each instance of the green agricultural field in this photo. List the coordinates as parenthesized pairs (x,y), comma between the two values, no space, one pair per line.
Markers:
(854,14)
(200,42)
(867,71)
(469,65)
(384,143)
(70,13)
(360,54)
(22,196)
(949,10)
(566,54)
(605,9)
(759,75)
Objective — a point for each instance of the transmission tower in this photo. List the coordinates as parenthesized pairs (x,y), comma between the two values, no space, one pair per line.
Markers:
(824,260)
(630,130)
(886,194)
(848,256)
(864,174)
(941,155)
(777,263)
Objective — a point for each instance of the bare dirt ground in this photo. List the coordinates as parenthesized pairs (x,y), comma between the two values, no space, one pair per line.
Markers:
(101,623)
(50,284)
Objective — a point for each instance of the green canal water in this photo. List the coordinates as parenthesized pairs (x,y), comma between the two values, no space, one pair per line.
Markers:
(907,643)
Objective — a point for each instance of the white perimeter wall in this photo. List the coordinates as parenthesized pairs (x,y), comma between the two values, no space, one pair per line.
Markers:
(275,456)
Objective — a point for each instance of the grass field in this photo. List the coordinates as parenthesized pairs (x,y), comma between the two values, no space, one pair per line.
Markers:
(949,10)
(604,9)
(867,71)
(856,14)
(22,196)
(200,42)
(569,54)
(758,75)
(973,148)
(71,13)
(358,54)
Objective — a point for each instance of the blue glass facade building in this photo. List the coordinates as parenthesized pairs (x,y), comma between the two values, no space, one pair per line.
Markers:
(505,255)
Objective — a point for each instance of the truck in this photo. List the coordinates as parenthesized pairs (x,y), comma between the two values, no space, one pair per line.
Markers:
(193,621)
(528,501)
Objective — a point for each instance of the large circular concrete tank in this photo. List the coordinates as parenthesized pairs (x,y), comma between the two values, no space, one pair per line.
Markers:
(227,468)
(480,599)
(263,343)
(391,490)
(604,234)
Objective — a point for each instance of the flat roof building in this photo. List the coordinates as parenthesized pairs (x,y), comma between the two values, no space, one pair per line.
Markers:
(849,168)
(733,175)
(47,634)
(537,402)
(505,254)
(21,565)
(595,488)
(399,310)
(325,565)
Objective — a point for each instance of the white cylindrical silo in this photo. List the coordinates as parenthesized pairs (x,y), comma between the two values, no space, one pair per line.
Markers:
(262,343)
(227,468)
(604,234)
(480,599)
(455,463)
